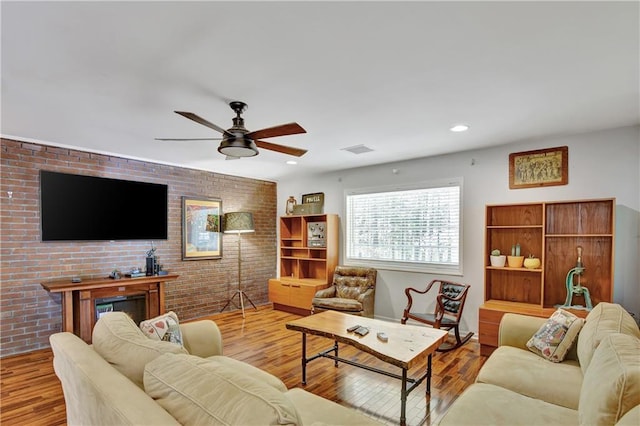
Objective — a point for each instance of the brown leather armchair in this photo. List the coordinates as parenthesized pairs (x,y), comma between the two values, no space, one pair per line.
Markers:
(352,292)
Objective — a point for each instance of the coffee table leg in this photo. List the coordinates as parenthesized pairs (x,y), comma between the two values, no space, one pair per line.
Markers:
(429,374)
(403,399)
(335,350)
(304,358)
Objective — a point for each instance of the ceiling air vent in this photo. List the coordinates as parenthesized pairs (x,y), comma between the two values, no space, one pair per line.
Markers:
(357,149)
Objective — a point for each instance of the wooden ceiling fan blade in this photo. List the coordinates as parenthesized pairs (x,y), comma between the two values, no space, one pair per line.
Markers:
(281,148)
(188,139)
(200,120)
(272,132)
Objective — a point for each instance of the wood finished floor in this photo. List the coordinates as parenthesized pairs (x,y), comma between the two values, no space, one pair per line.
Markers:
(30,393)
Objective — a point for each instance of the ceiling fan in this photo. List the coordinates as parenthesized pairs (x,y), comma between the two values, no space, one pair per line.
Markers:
(238,142)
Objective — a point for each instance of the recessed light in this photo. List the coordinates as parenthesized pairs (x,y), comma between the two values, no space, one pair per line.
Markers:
(459,128)
(292,162)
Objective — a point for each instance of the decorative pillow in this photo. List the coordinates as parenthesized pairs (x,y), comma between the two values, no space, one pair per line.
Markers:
(554,338)
(164,327)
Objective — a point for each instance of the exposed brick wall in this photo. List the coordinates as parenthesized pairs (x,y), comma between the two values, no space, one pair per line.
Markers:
(29,314)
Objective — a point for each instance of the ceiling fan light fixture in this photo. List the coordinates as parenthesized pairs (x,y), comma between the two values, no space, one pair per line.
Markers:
(237,147)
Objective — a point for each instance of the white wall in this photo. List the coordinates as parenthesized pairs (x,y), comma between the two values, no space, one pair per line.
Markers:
(601,165)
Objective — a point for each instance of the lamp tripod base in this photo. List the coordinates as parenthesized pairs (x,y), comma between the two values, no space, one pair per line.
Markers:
(241,296)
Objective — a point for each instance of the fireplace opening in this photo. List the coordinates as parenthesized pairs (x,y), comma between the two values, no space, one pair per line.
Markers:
(134,305)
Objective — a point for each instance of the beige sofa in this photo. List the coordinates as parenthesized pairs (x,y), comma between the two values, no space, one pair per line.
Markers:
(125,378)
(598,383)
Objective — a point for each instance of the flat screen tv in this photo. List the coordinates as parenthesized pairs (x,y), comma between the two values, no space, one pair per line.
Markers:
(88,208)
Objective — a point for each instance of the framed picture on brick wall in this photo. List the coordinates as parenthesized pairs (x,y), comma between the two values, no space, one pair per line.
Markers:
(201,228)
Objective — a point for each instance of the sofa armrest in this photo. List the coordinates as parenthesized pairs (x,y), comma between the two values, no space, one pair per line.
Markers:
(326,292)
(201,338)
(516,330)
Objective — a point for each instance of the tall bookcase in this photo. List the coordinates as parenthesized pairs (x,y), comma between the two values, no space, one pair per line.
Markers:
(551,231)
(308,254)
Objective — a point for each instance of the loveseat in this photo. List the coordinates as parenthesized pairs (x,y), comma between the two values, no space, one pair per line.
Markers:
(126,378)
(597,383)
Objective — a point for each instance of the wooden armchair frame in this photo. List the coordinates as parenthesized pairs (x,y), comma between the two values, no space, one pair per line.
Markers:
(449,306)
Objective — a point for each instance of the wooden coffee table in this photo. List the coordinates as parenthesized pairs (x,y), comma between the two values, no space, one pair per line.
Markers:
(407,345)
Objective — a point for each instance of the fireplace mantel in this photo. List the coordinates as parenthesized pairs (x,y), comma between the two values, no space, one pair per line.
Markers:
(78,299)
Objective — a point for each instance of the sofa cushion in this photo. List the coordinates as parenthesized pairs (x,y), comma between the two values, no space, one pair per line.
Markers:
(199,391)
(315,410)
(555,337)
(165,327)
(251,371)
(631,418)
(485,404)
(119,341)
(611,385)
(604,319)
(528,374)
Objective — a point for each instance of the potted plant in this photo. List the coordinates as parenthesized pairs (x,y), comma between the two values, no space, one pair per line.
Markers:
(515,260)
(532,262)
(497,259)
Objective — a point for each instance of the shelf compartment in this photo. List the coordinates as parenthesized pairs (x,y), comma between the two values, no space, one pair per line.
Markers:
(513,285)
(291,227)
(310,268)
(561,256)
(584,217)
(288,253)
(529,238)
(515,215)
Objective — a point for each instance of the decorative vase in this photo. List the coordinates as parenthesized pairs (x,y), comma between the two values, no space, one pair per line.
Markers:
(290,203)
(515,261)
(498,261)
(532,263)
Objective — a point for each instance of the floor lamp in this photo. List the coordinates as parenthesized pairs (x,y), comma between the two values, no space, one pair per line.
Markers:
(239,223)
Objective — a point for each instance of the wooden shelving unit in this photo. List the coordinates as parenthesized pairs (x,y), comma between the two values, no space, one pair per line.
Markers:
(304,268)
(551,231)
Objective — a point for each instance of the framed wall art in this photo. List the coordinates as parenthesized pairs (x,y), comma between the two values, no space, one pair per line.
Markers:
(201,228)
(543,167)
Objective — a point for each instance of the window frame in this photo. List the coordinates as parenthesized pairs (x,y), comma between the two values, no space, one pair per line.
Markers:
(394,265)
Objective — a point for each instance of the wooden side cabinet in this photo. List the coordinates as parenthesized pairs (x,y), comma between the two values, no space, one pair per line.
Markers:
(551,231)
(79,299)
(308,255)
(293,296)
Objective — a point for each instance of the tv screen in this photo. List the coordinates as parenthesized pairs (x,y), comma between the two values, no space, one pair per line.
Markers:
(89,208)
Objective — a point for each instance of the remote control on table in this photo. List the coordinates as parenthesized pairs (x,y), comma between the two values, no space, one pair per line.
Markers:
(363,331)
(383,337)
(354,328)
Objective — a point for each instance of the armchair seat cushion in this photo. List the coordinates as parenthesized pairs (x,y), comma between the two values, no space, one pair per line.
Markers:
(337,304)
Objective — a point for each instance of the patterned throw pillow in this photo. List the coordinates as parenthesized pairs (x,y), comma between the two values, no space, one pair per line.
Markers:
(555,337)
(165,327)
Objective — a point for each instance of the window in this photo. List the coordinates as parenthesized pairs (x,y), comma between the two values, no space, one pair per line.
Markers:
(411,228)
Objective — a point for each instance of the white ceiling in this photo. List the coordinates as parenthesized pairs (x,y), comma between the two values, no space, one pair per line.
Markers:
(394,76)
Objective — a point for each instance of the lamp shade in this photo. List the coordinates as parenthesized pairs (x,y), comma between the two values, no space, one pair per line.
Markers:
(238,222)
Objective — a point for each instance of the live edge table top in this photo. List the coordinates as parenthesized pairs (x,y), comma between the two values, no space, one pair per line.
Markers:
(406,345)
